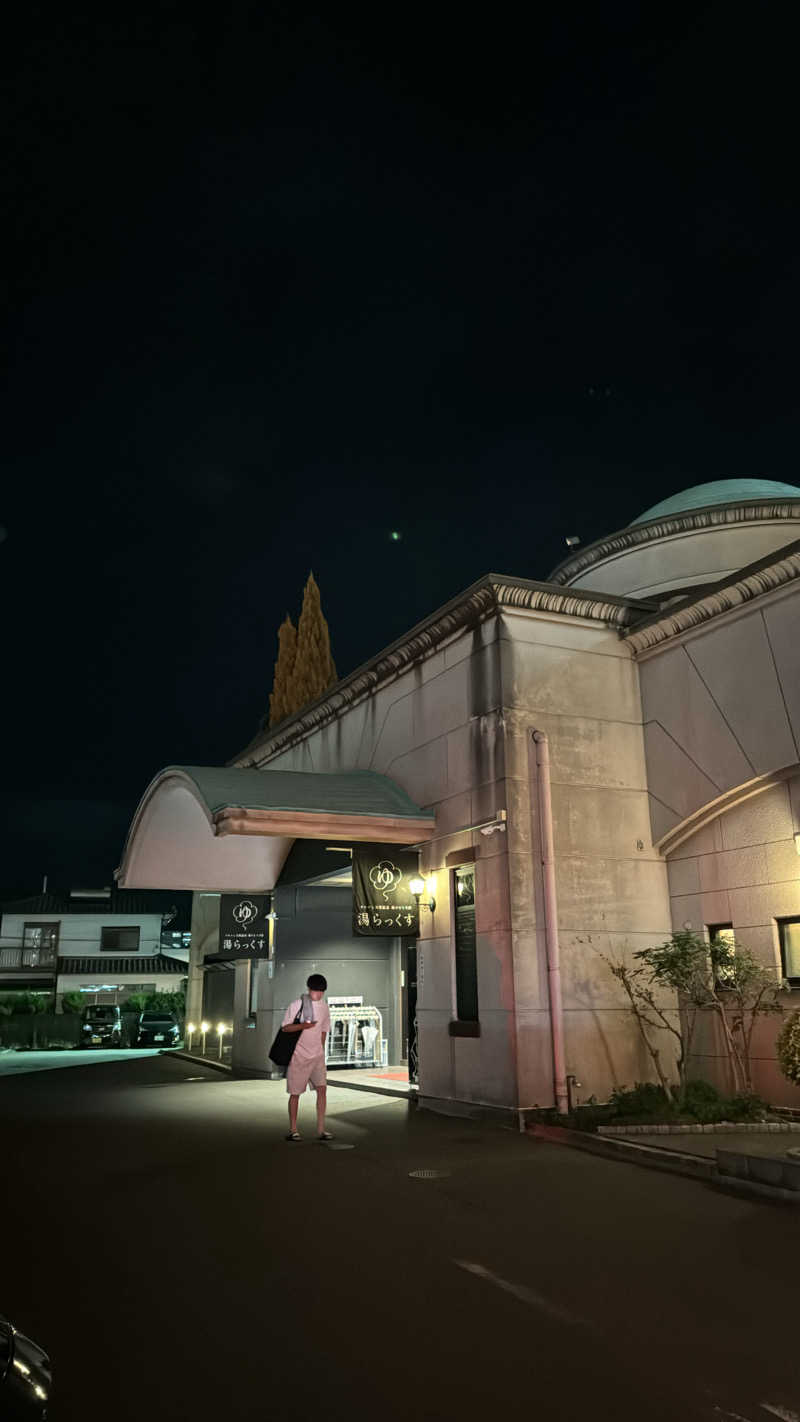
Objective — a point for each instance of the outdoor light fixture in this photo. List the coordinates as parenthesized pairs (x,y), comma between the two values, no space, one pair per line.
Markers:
(797,840)
(204,1027)
(417,886)
(191,1029)
(221,1030)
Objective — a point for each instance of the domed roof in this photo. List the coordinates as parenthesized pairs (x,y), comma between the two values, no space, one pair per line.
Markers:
(721,491)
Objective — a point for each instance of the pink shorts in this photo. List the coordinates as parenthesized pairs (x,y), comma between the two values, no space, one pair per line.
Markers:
(303,1073)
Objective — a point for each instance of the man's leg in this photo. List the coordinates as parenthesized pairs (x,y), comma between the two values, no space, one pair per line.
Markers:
(322,1099)
(293,1104)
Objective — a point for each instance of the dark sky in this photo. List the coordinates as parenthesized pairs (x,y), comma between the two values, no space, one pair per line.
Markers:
(279,283)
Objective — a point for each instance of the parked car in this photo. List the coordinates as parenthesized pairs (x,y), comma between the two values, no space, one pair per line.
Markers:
(101,1026)
(158,1029)
(25,1376)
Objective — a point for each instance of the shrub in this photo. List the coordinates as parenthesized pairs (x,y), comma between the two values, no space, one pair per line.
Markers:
(789,1048)
(643,1099)
(72,1003)
(745,1106)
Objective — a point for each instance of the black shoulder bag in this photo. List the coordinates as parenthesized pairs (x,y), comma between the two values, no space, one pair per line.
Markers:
(282,1048)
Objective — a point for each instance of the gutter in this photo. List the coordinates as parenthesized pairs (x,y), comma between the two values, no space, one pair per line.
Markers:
(551,921)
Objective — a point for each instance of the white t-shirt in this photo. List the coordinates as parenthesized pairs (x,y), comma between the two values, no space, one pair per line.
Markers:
(309,1045)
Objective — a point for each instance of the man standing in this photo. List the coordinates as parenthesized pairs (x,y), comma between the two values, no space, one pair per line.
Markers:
(307,1066)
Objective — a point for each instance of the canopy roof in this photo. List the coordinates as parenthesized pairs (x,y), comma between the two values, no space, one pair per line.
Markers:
(229,828)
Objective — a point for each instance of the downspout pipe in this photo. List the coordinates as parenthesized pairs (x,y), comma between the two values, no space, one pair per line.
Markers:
(551,921)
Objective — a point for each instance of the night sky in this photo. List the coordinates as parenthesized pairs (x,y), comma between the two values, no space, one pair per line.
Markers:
(278,284)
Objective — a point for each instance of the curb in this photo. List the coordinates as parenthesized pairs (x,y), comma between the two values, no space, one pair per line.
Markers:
(744,1128)
(651,1157)
(376,1090)
(199,1061)
(733,1185)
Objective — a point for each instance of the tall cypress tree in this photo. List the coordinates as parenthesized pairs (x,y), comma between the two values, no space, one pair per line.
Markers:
(279,703)
(313,671)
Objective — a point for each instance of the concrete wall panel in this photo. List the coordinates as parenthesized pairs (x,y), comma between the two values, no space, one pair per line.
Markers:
(752,703)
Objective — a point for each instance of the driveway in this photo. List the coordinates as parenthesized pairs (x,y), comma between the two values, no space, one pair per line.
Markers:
(180,1259)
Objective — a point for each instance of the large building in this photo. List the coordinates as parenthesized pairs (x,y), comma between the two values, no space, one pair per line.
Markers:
(583,764)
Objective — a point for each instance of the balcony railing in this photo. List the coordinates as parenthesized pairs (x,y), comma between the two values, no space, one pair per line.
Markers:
(28,959)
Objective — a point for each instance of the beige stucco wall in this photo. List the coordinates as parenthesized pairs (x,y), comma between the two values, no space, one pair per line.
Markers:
(437,731)
(743,868)
(578,682)
(455,732)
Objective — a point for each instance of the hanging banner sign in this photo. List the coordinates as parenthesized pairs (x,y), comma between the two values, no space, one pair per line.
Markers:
(244,925)
(383,903)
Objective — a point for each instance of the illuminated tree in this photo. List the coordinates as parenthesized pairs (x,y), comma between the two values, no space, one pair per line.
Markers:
(313,671)
(279,703)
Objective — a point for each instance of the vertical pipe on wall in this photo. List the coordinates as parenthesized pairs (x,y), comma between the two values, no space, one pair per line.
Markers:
(551,920)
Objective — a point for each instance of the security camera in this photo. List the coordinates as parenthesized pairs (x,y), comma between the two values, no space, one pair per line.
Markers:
(572,540)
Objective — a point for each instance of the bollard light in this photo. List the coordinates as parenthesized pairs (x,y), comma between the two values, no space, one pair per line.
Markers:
(204,1026)
(221,1029)
(191,1029)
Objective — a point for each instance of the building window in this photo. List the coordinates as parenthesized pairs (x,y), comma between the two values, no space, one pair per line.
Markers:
(39,945)
(789,932)
(119,940)
(723,932)
(466,958)
(253,992)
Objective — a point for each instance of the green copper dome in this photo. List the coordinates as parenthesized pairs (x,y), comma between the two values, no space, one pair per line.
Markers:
(721,491)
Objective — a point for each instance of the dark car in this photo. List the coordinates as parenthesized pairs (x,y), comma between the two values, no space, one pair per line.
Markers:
(158,1029)
(101,1026)
(25,1376)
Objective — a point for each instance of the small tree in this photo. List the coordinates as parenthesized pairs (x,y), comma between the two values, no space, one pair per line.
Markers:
(740,990)
(720,977)
(649,1017)
(72,1003)
(789,1048)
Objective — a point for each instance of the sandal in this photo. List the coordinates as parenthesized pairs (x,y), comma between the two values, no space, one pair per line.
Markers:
(324,1136)
(294,1136)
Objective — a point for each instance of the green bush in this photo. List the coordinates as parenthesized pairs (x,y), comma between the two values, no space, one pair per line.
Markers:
(788,1045)
(24,1003)
(646,1103)
(72,1003)
(745,1106)
(644,1099)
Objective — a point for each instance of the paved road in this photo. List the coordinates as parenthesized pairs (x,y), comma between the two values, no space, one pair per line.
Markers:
(18,1063)
(181,1260)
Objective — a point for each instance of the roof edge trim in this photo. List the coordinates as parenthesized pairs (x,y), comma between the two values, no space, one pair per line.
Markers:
(492,594)
(667,526)
(767,575)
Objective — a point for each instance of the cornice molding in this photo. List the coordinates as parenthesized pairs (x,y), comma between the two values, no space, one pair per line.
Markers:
(760,578)
(486,598)
(693,521)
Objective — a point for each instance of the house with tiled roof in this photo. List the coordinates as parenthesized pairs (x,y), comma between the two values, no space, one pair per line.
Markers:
(103,943)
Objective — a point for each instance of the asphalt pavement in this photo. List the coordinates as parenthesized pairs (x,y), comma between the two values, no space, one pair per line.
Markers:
(15,1063)
(180,1259)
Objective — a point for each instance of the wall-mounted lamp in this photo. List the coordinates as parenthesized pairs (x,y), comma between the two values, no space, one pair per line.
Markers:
(797,840)
(417,886)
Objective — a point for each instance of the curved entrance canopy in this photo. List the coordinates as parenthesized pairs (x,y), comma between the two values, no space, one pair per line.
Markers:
(226,828)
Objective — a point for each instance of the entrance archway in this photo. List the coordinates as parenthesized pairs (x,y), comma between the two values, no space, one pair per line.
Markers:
(226,829)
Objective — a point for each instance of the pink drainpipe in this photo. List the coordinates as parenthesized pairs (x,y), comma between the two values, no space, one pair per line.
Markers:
(551,921)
